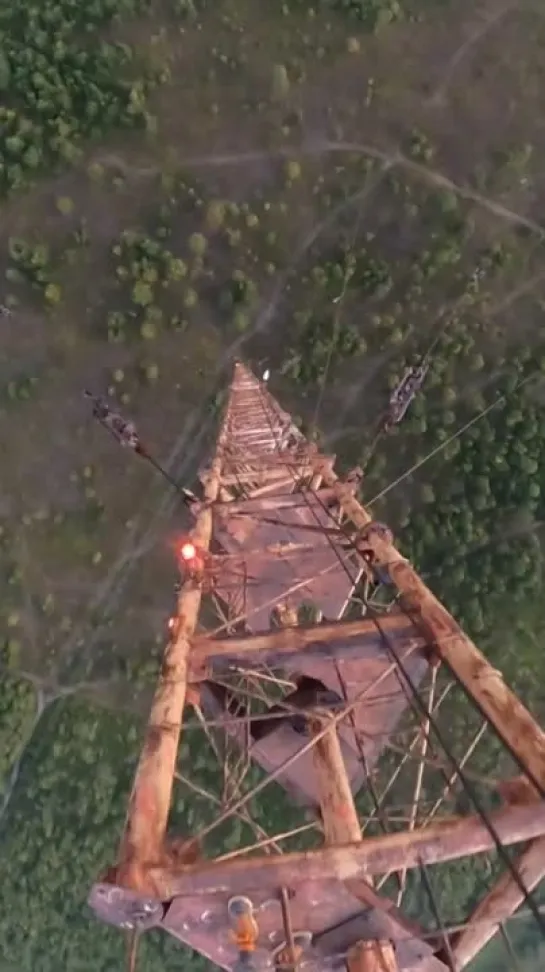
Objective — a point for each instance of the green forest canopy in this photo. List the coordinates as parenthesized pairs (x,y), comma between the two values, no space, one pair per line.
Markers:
(128,268)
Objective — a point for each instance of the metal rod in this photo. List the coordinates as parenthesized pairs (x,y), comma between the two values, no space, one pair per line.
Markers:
(339,814)
(471,792)
(304,828)
(500,903)
(288,927)
(512,722)
(450,781)
(437,915)
(337,718)
(424,743)
(243,815)
(149,805)
(408,753)
(313,639)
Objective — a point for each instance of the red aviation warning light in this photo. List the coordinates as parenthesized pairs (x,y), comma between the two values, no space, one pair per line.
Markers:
(191,559)
(187,551)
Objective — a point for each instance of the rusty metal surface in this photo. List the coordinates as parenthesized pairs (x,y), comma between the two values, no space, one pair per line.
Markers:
(303,559)
(325,908)
(412,952)
(501,902)
(311,564)
(299,778)
(318,574)
(149,803)
(124,908)
(329,586)
(376,717)
(272,646)
(329,571)
(383,701)
(444,840)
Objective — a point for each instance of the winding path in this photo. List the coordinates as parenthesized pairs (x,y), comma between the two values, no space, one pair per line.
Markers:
(320,146)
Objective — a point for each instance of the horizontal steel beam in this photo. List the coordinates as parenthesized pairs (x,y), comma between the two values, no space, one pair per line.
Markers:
(441,841)
(346,639)
(256,505)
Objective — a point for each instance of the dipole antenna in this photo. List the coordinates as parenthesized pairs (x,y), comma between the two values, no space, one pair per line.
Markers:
(125,434)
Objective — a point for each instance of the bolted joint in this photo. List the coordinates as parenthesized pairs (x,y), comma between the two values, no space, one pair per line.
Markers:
(284,615)
(199,671)
(376,531)
(124,908)
(198,567)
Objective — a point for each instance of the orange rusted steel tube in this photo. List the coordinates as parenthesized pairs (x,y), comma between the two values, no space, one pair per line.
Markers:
(339,814)
(499,904)
(441,841)
(513,723)
(372,956)
(500,706)
(149,805)
(324,640)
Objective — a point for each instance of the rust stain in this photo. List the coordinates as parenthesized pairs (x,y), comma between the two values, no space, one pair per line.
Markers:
(153,745)
(168,670)
(518,791)
(180,852)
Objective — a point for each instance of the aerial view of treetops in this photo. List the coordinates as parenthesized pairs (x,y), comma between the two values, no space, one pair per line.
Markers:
(336,190)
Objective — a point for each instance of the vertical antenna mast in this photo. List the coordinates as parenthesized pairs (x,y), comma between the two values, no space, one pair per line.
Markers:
(322,663)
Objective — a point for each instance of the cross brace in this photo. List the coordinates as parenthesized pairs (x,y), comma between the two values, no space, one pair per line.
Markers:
(329,640)
(439,842)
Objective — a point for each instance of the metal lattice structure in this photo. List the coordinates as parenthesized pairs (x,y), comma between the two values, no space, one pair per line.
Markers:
(311,598)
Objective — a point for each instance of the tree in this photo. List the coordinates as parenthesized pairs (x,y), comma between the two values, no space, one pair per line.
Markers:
(427,493)
(176,269)
(198,244)
(150,275)
(142,294)
(32,157)
(11,653)
(280,82)
(65,205)
(191,298)
(241,320)
(53,294)
(152,373)
(476,362)
(293,170)
(215,214)
(5,72)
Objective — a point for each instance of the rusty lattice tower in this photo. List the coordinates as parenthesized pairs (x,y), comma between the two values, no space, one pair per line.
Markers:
(304,582)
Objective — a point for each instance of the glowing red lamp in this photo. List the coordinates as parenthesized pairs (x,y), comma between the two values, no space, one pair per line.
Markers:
(188,551)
